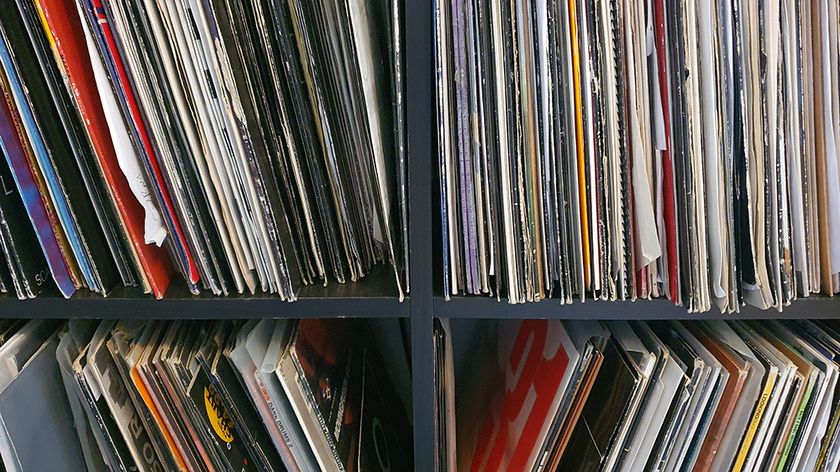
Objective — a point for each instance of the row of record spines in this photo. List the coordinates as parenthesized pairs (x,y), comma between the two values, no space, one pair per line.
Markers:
(624,252)
(358,264)
(468,281)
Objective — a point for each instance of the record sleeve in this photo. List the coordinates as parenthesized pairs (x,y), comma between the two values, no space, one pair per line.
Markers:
(248,373)
(24,414)
(380,420)
(823,336)
(84,71)
(806,452)
(218,420)
(603,412)
(99,23)
(170,400)
(272,111)
(317,30)
(210,150)
(309,143)
(281,260)
(396,45)
(241,409)
(578,58)
(797,413)
(762,415)
(115,249)
(112,444)
(673,442)
(125,337)
(175,145)
(667,378)
(668,179)
(266,344)
(27,267)
(141,377)
(70,342)
(738,370)
(582,381)
(110,383)
(749,398)
(642,363)
(543,351)
(317,372)
(30,65)
(41,217)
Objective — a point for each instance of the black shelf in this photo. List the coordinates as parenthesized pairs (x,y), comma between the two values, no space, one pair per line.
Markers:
(375,296)
(204,308)
(422,160)
(482,307)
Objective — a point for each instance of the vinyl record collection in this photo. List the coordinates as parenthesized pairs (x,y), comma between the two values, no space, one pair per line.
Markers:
(633,396)
(624,149)
(199,396)
(249,146)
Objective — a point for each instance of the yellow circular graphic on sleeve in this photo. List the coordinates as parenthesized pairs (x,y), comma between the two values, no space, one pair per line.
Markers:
(217,414)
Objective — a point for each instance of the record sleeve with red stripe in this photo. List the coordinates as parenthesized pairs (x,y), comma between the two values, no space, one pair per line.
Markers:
(667,163)
(120,75)
(64,23)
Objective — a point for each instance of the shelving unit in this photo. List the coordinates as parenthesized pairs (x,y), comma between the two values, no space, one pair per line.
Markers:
(375,296)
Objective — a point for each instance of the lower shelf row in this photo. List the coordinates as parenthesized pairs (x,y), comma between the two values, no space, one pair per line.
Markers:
(583,395)
(204,395)
(335,394)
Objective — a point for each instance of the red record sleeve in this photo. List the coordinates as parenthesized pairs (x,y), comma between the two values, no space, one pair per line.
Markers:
(514,426)
(184,254)
(667,164)
(70,44)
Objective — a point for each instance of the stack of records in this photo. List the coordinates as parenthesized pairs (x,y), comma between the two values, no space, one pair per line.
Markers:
(248,146)
(201,396)
(658,396)
(624,149)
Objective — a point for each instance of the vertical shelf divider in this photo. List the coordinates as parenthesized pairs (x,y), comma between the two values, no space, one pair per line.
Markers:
(419,99)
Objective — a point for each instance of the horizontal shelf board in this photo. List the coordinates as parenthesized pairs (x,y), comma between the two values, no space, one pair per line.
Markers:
(375,296)
(480,307)
(203,308)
